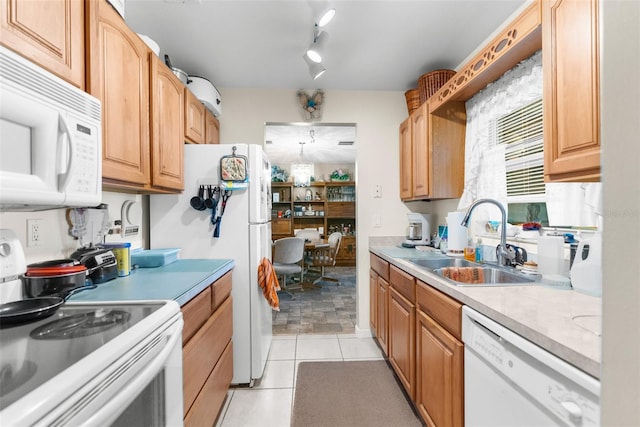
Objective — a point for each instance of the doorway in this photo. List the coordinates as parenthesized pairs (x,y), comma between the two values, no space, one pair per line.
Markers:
(314,187)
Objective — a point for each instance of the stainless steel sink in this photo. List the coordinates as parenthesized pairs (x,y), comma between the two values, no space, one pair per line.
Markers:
(434,264)
(493,277)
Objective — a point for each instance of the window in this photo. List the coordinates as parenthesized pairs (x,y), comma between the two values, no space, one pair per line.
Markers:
(521,133)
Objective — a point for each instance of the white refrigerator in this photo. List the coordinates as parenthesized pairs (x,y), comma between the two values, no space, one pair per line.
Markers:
(244,236)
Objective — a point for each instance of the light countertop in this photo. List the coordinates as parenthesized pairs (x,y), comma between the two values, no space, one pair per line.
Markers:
(180,281)
(564,322)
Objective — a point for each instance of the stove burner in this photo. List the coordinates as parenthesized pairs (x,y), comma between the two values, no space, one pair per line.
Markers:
(81,325)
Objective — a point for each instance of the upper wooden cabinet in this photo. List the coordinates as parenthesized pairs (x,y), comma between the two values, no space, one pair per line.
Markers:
(167,133)
(420,145)
(570,57)
(406,160)
(118,75)
(47,32)
(432,153)
(211,128)
(194,122)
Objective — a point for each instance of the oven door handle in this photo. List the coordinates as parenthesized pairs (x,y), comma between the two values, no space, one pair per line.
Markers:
(116,405)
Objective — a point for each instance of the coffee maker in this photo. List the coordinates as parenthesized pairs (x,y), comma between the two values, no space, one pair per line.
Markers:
(419,230)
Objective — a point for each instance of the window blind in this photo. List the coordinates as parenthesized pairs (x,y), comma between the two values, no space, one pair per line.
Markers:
(521,133)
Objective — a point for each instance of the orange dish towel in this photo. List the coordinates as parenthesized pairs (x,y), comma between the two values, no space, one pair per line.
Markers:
(473,275)
(268,281)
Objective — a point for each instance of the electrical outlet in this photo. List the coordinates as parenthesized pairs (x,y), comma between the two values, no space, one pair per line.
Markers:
(377,191)
(35,232)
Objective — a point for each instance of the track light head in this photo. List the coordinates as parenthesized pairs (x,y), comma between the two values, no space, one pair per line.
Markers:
(316,49)
(326,17)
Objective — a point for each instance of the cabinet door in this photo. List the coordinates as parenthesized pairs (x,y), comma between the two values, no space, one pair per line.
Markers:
(439,374)
(211,129)
(382,331)
(119,77)
(167,134)
(373,301)
(194,118)
(47,32)
(402,327)
(406,160)
(571,90)
(420,141)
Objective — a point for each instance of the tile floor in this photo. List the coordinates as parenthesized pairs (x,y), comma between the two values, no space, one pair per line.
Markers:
(268,404)
(327,308)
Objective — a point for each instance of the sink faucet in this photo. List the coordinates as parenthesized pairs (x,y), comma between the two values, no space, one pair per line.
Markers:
(506,255)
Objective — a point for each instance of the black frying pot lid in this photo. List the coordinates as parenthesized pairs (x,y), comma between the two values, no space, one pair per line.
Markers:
(27,310)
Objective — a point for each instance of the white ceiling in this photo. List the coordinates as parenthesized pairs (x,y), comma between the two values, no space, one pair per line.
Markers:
(373,45)
(284,142)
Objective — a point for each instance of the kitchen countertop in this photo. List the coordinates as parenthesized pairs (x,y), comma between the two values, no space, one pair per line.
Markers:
(564,322)
(180,281)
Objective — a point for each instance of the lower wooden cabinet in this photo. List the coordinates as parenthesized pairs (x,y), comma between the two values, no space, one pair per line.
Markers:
(419,329)
(379,300)
(402,331)
(373,301)
(347,253)
(439,359)
(207,352)
(382,328)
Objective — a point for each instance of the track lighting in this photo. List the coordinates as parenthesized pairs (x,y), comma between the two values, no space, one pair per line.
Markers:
(315,68)
(326,17)
(315,52)
(316,49)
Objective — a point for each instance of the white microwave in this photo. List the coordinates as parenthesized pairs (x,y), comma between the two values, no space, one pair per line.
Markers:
(50,139)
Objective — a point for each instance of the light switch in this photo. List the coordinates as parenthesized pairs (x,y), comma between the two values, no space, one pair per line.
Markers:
(377,220)
(377,192)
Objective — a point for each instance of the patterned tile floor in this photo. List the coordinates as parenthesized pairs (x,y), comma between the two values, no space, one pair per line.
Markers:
(327,309)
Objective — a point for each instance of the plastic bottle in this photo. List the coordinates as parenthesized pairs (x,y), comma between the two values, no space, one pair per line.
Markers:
(478,250)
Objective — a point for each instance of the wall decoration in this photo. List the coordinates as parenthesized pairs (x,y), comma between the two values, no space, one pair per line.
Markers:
(311,105)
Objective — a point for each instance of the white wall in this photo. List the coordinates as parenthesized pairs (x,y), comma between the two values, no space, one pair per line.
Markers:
(620,133)
(377,116)
(56,241)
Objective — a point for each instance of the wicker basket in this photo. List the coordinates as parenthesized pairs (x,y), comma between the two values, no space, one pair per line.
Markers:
(413,100)
(429,83)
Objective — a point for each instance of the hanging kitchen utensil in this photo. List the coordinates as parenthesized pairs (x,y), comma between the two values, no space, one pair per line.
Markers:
(197,202)
(214,204)
(222,204)
(233,171)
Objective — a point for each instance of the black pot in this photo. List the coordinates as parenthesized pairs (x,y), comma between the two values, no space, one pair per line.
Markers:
(53,285)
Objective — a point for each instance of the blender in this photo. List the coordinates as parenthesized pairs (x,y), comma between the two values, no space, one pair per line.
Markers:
(419,230)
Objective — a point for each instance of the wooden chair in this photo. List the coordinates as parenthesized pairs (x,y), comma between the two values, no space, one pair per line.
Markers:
(287,254)
(326,257)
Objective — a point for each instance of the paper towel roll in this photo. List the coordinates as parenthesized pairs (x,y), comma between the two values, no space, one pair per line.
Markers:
(550,256)
(457,239)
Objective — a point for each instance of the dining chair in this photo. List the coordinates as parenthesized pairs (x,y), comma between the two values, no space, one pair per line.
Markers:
(287,255)
(326,257)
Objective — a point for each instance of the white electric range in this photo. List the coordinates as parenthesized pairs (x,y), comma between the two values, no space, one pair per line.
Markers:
(92,363)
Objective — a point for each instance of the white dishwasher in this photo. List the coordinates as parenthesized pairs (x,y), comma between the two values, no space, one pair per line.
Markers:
(509,381)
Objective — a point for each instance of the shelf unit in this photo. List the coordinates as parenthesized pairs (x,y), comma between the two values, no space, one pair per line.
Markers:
(326,206)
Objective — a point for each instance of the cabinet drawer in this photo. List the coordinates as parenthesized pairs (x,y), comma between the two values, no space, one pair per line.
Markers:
(379,265)
(341,209)
(402,282)
(281,226)
(195,313)
(445,310)
(205,409)
(220,290)
(202,352)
